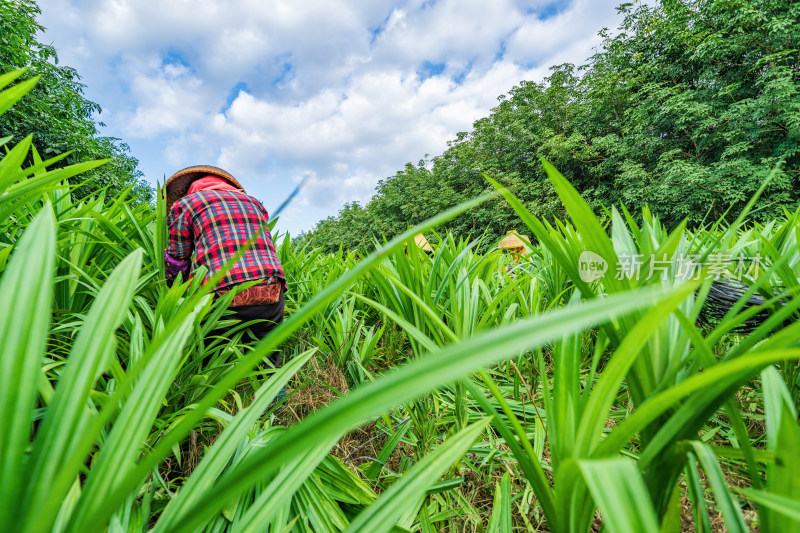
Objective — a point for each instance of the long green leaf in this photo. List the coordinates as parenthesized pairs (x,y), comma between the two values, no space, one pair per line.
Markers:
(52,471)
(280,490)
(728,506)
(11,95)
(219,454)
(25,289)
(500,521)
(408,490)
(718,378)
(124,444)
(787,507)
(414,379)
(783,438)
(617,487)
(266,346)
(602,396)
(520,446)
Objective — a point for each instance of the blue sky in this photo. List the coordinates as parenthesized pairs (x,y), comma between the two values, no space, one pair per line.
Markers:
(343,93)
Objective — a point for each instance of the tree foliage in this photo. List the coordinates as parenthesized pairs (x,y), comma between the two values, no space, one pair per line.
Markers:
(687,108)
(55,112)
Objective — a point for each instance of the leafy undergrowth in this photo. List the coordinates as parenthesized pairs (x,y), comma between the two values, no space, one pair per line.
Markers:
(431,392)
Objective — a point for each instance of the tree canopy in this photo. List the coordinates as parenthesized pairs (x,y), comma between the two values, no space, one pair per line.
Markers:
(56,112)
(687,107)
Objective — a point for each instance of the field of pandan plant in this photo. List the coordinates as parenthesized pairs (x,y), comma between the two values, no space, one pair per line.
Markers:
(428,392)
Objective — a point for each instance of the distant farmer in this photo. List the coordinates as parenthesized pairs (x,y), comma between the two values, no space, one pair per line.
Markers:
(210,217)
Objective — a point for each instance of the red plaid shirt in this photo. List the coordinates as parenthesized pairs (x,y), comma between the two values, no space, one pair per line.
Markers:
(210,226)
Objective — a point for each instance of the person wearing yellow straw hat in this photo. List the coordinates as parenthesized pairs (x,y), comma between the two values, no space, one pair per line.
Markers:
(210,218)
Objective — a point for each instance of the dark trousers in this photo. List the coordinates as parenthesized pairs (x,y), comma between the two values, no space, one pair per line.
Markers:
(268,316)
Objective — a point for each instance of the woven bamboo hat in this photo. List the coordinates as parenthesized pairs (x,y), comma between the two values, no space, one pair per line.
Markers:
(422,242)
(514,241)
(178,184)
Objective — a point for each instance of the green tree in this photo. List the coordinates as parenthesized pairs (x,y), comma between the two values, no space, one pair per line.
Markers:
(349,230)
(687,108)
(55,112)
(711,96)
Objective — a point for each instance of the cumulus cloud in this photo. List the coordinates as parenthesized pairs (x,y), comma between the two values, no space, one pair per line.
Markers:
(341,92)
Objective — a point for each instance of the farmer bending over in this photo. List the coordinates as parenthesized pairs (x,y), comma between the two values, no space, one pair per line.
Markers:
(210,217)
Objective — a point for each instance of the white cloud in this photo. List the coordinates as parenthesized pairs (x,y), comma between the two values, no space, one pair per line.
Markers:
(169,97)
(449,31)
(566,37)
(343,92)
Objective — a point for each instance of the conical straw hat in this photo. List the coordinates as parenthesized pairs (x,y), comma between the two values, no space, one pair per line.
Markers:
(513,241)
(178,184)
(422,242)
